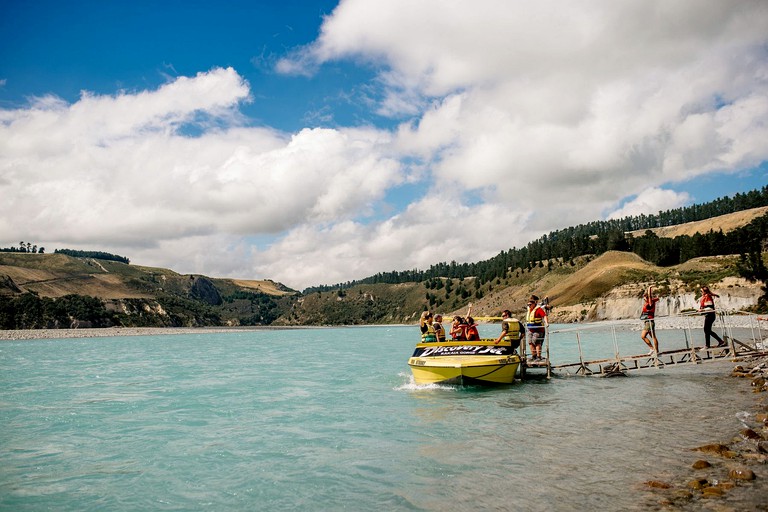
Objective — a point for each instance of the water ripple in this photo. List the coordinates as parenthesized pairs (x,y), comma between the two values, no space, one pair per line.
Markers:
(330,419)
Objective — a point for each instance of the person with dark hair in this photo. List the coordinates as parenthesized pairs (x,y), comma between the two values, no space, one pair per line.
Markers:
(471,331)
(457,329)
(426,325)
(512,329)
(437,325)
(707,306)
(536,323)
(649,324)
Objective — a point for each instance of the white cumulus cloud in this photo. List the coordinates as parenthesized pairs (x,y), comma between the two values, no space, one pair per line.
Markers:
(515,118)
(650,202)
(117,171)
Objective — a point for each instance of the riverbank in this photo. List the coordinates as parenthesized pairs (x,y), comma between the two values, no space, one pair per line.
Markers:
(41,334)
(38,334)
(675,322)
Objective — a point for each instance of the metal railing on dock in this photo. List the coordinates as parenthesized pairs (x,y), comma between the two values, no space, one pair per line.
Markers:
(743,333)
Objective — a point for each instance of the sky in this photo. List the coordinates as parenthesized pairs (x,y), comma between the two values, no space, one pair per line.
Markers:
(316,142)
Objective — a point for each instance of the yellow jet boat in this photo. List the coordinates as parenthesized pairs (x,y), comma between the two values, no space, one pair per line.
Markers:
(482,362)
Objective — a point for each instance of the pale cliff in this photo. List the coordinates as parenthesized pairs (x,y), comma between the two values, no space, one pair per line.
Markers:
(623,302)
(610,287)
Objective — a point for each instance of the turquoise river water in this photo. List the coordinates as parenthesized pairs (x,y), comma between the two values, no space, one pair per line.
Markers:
(329,419)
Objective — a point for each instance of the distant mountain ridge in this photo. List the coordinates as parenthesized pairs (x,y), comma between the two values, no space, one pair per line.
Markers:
(642,234)
(57,290)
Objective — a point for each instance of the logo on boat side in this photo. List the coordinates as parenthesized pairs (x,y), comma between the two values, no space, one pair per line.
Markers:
(464,350)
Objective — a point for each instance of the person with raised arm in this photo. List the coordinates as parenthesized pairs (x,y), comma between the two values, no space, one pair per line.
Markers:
(427,327)
(649,324)
(470,328)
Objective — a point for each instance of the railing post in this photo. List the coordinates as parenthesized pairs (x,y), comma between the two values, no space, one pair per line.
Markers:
(754,322)
(694,357)
(523,355)
(727,331)
(583,369)
(616,347)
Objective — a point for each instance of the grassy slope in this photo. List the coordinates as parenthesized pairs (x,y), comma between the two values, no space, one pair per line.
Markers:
(56,275)
(570,288)
(727,223)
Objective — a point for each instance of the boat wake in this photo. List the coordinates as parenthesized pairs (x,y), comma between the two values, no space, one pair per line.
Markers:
(409,384)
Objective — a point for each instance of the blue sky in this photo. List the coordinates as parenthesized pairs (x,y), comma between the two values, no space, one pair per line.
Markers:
(66,47)
(317,142)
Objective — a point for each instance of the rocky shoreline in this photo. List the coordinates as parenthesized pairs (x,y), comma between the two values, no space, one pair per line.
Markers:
(731,475)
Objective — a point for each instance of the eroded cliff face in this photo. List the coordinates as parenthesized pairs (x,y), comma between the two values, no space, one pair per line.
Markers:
(623,302)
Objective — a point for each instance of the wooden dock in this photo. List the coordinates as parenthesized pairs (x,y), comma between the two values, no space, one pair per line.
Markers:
(621,365)
(613,366)
(526,365)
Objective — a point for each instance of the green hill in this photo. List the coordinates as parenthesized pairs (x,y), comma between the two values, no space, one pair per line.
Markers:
(577,290)
(47,290)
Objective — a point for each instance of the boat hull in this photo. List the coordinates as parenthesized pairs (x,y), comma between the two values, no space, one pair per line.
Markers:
(464,363)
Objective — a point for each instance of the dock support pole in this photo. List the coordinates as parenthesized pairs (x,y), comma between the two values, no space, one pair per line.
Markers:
(582,367)
(694,357)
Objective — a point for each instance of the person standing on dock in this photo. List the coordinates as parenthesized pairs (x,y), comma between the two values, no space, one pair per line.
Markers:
(536,324)
(707,306)
(649,324)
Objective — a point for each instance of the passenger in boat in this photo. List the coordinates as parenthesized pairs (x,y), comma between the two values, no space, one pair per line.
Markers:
(425,316)
(437,326)
(463,326)
(466,322)
(471,331)
(536,323)
(426,325)
(458,328)
(707,306)
(649,324)
(512,329)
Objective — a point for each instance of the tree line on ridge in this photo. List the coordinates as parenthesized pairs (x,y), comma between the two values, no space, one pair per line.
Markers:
(608,235)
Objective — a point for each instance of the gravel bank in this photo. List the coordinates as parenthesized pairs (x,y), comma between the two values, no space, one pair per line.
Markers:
(36,334)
